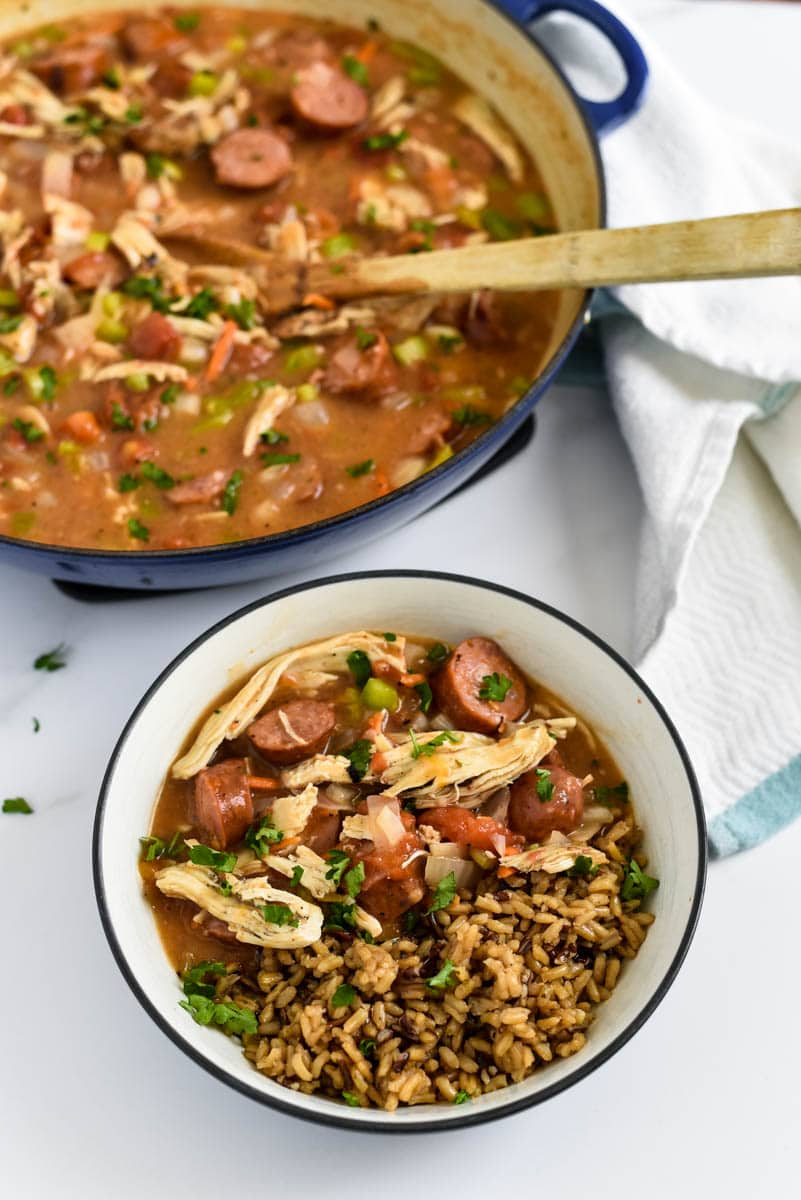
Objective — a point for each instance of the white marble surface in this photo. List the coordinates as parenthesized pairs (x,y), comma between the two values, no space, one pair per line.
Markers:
(95,1102)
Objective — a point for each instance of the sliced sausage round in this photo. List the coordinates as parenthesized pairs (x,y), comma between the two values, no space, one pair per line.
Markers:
(155,338)
(326,98)
(70,69)
(145,38)
(92,269)
(471,669)
(223,804)
(321,831)
(535,816)
(251,158)
(353,371)
(293,731)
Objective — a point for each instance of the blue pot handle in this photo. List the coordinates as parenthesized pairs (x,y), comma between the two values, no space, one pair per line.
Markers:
(604,114)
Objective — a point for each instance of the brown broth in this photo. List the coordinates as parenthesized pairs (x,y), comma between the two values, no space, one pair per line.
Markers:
(56,489)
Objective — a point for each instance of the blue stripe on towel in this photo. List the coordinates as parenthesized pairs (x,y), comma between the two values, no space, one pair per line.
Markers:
(772,804)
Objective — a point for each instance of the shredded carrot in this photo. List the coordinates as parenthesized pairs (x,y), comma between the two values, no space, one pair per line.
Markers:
(285,843)
(411,680)
(264,783)
(366,53)
(376,721)
(222,351)
(83,426)
(190,384)
(505,872)
(378,762)
(382,483)
(315,300)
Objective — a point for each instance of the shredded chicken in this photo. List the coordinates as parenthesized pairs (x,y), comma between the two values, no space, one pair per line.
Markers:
(474,112)
(160,371)
(327,655)
(314,322)
(321,768)
(70,223)
(21,342)
(390,206)
(314,870)
(558,854)
(276,400)
(240,910)
(290,813)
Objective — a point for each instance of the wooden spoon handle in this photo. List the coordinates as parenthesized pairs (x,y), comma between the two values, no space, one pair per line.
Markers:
(742,246)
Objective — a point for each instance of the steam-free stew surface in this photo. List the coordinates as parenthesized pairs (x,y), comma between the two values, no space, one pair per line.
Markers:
(138,397)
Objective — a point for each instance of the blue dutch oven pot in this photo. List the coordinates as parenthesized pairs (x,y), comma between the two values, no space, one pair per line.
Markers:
(492,45)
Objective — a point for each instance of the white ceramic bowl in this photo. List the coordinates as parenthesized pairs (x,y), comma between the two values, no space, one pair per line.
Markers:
(587,674)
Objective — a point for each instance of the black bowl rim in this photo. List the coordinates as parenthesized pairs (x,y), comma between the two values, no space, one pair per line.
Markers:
(498,432)
(460,1119)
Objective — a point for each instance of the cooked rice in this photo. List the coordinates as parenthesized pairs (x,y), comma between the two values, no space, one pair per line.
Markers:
(534,955)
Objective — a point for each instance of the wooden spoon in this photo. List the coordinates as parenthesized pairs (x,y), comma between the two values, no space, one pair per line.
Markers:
(738,247)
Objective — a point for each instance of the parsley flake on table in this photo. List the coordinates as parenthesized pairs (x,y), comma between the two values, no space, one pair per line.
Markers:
(494,687)
(52,660)
(279,914)
(204,856)
(444,893)
(444,976)
(16,804)
(344,996)
(37,725)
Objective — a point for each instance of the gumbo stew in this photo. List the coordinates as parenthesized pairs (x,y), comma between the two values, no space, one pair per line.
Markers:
(401,872)
(145,400)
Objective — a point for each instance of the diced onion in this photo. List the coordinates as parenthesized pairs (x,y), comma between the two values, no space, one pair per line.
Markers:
(442,722)
(465,871)
(193,352)
(187,403)
(449,850)
(386,826)
(338,795)
(313,413)
(499,843)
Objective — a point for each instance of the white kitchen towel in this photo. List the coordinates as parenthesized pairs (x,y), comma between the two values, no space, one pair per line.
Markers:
(704,378)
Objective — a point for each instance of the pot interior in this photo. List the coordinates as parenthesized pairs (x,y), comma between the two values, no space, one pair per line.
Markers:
(487,50)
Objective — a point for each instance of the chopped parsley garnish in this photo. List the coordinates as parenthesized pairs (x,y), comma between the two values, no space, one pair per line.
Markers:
(426,696)
(583,866)
(224,886)
(443,978)
(426,749)
(147,287)
(279,914)
(263,835)
(204,856)
(157,475)
(244,313)
(201,305)
(194,978)
(365,338)
(16,804)
(297,875)
(271,437)
(9,324)
(272,458)
(344,996)
(359,666)
(36,724)
(619,794)
(468,416)
(502,228)
(460,1097)
(339,861)
(362,468)
(170,394)
(356,69)
(30,432)
(120,419)
(636,884)
(134,114)
(354,878)
(111,79)
(128,483)
(427,228)
(410,920)
(52,660)
(352,1099)
(494,687)
(187,22)
(230,1017)
(390,637)
(385,141)
(12,385)
(367,1047)
(359,755)
(48,382)
(444,893)
(157,165)
(155,847)
(230,496)
(90,123)
(448,342)
(340,915)
(438,653)
(544,785)
(137,530)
